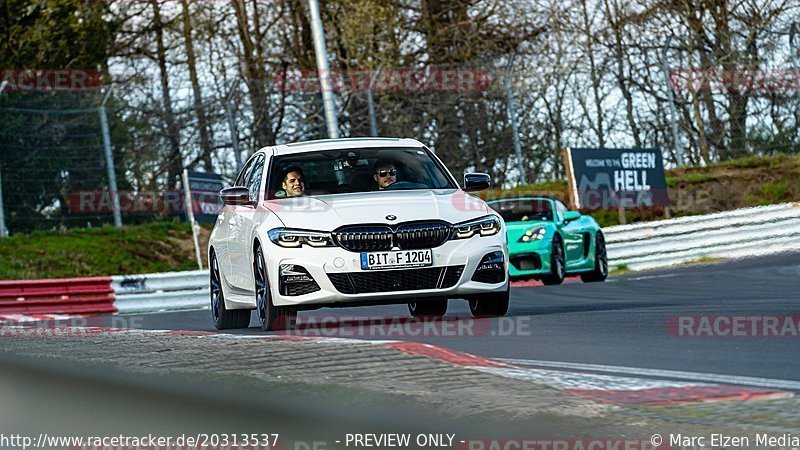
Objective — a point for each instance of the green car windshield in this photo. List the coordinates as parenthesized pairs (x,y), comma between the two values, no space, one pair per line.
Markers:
(523,209)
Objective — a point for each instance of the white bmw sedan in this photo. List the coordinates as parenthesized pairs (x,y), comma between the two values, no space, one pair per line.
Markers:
(348,222)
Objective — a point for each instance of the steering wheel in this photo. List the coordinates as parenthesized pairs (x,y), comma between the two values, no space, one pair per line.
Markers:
(404,185)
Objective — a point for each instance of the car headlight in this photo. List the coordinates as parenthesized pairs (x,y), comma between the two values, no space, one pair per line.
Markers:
(534,234)
(289,238)
(484,226)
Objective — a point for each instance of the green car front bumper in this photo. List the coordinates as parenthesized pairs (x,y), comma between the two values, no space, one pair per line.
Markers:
(529,259)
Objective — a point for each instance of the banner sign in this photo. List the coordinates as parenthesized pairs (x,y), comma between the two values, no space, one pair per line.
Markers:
(602,178)
(205,189)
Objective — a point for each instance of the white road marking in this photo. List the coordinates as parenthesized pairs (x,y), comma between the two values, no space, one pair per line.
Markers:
(647,277)
(24,318)
(662,373)
(584,381)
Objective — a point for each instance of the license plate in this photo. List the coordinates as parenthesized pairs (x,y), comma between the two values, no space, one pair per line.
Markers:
(396,259)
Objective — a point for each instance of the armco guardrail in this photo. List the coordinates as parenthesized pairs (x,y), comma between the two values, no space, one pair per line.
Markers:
(161,291)
(57,296)
(744,232)
(731,234)
(647,245)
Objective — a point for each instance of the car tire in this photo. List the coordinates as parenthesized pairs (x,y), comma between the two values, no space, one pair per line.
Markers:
(557,264)
(271,317)
(223,318)
(434,307)
(600,271)
(494,304)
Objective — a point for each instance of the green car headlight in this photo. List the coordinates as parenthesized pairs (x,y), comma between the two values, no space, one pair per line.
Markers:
(534,234)
(484,226)
(289,238)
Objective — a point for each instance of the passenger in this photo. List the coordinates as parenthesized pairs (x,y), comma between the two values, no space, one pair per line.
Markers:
(293,184)
(385,173)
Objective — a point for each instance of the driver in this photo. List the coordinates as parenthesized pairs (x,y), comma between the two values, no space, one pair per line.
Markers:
(293,184)
(385,173)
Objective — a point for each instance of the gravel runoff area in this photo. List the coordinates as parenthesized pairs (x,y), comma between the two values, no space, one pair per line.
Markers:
(334,386)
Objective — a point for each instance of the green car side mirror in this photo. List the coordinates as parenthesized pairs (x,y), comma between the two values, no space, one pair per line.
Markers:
(569,216)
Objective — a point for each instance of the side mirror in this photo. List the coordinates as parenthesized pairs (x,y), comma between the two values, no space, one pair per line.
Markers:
(569,216)
(235,196)
(476,182)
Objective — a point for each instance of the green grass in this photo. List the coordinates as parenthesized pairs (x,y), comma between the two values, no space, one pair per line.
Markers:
(702,259)
(692,177)
(155,247)
(774,192)
(621,268)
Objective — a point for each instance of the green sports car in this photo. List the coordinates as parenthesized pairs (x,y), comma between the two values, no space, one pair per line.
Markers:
(547,241)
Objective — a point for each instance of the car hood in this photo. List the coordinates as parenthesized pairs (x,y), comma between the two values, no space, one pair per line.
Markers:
(328,212)
(515,230)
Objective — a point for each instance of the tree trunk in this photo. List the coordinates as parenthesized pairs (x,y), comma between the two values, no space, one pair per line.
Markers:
(593,73)
(174,156)
(255,76)
(199,109)
(616,21)
(441,20)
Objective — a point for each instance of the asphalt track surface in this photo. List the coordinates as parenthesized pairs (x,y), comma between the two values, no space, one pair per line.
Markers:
(622,322)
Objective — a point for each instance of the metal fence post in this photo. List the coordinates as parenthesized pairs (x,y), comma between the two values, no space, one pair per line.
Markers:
(672,113)
(3,228)
(793,48)
(190,216)
(323,69)
(512,119)
(112,176)
(373,122)
(237,153)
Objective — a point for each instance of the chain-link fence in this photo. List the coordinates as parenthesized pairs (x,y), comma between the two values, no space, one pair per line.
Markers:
(55,170)
(51,148)
(592,75)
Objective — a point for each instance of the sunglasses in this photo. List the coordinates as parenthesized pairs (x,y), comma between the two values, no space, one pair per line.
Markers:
(386,173)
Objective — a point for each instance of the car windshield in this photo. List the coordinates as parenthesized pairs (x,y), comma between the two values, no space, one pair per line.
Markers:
(523,209)
(360,170)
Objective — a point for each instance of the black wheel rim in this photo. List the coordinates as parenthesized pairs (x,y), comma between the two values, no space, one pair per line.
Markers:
(558,260)
(602,256)
(262,293)
(216,289)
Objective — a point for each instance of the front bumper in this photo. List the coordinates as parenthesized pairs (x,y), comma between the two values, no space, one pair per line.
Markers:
(529,260)
(454,264)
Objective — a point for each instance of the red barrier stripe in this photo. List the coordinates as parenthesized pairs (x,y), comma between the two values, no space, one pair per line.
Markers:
(54,287)
(55,281)
(54,292)
(63,308)
(50,300)
(190,333)
(679,395)
(443,354)
(57,296)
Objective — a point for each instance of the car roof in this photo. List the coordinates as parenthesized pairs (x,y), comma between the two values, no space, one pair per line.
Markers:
(340,144)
